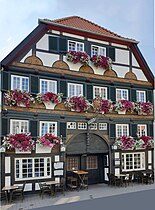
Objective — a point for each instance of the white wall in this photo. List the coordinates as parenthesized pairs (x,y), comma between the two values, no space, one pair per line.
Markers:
(47,58)
(139,74)
(26,56)
(120,70)
(122,56)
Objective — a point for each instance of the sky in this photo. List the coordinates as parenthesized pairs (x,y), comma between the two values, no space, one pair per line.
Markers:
(128,18)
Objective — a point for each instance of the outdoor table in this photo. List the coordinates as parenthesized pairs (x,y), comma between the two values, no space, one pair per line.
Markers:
(81,176)
(52,186)
(9,191)
(122,177)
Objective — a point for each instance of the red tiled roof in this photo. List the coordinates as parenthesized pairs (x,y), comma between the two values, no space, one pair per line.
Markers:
(81,23)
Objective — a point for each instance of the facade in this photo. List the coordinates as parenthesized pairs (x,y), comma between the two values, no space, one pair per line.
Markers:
(39,65)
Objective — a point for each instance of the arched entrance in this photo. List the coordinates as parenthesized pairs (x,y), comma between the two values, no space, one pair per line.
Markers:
(92,156)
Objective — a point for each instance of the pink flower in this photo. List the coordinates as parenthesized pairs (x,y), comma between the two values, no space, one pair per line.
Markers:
(49,140)
(76,57)
(49,96)
(99,60)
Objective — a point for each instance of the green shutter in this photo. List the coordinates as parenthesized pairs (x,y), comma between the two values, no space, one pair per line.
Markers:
(88,48)
(34,128)
(90,92)
(111,53)
(63,88)
(149,95)
(4,127)
(63,129)
(53,43)
(62,45)
(34,85)
(133,130)
(150,130)
(112,93)
(133,95)
(5,78)
(112,131)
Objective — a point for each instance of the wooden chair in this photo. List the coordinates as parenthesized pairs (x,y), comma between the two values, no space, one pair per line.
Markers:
(61,186)
(115,181)
(3,197)
(129,179)
(18,192)
(72,183)
(44,189)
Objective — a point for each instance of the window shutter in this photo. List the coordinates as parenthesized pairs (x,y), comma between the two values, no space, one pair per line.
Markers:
(4,127)
(5,78)
(89,92)
(53,43)
(34,128)
(112,93)
(133,130)
(150,130)
(88,48)
(133,95)
(62,45)
(112,131)
(111,53)
(63,88)
(63,129)
(149,96)
(34,84)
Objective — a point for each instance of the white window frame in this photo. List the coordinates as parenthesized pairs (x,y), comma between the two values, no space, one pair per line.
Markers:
(33,168)
(76,43)
(89,168)
(103,126)
(122,125)
(99,49)
(142,161)
(48,122)
(48,89)
(20,85)
(93,126)
(69,85)
(82,126)
(122,90)
(140,129)
(100,89)
(138,95)
(19,130)
(71,125)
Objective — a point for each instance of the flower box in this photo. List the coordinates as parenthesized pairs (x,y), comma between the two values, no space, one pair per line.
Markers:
(75,57)
(42,149)
(121,112)
(121,106)
(101,61)
(17,151)
(143,108)
(49,104)
(48,140)
(102,106)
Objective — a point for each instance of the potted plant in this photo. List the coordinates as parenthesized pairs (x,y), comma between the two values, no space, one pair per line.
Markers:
(101,61)
(49,99)
(144,142)
(102,105)
(78,104)
(121,106)
(18,98)
(124,143)
(22,141)
(76,57)
(143,108)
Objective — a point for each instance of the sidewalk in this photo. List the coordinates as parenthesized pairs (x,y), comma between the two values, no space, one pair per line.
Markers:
(94,191)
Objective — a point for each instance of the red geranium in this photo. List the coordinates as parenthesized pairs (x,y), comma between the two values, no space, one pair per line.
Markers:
(49,140)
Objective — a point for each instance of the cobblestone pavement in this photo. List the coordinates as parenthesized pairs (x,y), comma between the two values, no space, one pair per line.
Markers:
(32,201)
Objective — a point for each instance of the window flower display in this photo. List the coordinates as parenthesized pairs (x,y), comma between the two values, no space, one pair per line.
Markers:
(49,99)
(21,141)
(124,143)
(48,140)
(144,108)
(18,98)
(102,105)
(144,142)
(78,104)
(122,106)
(76,57)
(101,61)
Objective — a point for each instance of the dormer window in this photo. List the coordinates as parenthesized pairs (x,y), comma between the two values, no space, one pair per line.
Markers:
(97,50)
(75,46)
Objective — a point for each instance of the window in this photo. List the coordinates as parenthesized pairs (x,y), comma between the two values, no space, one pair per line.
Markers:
(141,96)
(96,50)
(92,162)
(121,94)
(103,126)
(48,86)
(100,91)
(31,168)
(72,163)
(75,46)
(122,130)
(133,161)
(48,127)
(93,126)
(141,130)
(82,126)
(71,125)
(19,126)
(19,82)
(75,89)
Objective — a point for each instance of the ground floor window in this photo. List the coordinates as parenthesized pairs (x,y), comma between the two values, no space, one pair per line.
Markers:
(72,163)
(133,161)
(92,162)
(28,168)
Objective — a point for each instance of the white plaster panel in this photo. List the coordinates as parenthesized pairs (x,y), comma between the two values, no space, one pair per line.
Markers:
(139,74)
(149,156)
(26,56)
(43,43)
(47,58)
(149,167)
(72,66)
(42,149)
(122,56)
(57,158)
(98,41)
(7,181)
(134,61)
(119,45)
(37,186)
(116,154)
(72,35)
(97,70)
(117,171)
(57,179)
(120,70)
(7,164)
(106,170)
(117,162)
(55,32)
(107,160)
(17,151)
